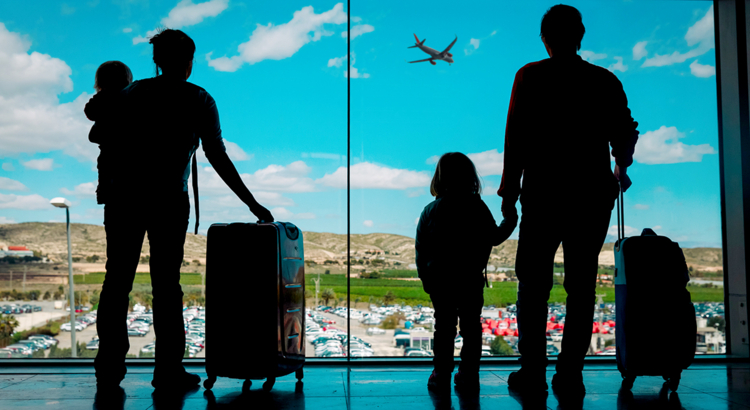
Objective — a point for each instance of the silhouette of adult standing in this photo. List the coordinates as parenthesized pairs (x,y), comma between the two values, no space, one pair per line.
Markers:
(563,115)
(162,120)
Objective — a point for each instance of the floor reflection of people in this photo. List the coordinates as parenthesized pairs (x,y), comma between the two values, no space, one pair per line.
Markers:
(257,399)
(665,400)
(172,400)
(535,401)
(113,399)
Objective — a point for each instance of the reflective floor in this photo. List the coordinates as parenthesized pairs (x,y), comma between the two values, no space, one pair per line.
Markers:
(377,387)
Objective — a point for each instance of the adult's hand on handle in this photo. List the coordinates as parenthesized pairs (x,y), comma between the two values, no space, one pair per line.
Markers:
(261,213)
(622,175)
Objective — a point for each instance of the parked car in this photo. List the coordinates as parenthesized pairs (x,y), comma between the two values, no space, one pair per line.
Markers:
(8,353)
(48,338)
(136,332)
(552,350)
(375,331)
(66,327)
(417,353)
(92,345)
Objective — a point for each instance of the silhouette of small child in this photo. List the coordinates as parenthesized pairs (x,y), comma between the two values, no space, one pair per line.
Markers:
(455,236)
(111,78)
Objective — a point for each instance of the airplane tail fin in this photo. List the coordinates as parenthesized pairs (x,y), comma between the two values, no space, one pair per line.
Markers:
(419,43)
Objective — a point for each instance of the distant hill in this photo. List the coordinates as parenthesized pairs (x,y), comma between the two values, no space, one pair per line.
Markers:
(50,239)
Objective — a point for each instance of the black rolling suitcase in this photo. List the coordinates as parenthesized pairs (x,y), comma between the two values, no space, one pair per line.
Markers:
(651,276)
(255,291)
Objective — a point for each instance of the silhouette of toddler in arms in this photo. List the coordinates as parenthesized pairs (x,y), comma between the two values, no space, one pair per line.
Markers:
(111,78)
(455,236)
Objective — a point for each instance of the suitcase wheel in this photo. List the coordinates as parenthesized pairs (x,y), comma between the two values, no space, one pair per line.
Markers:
(268,385)
(300,374)
(208,384)
(627,382)
(246,385)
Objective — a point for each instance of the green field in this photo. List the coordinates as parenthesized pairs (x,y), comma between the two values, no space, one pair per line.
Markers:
(97,278)
(501,293)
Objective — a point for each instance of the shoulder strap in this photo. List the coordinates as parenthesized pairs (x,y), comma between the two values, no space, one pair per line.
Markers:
(195,190)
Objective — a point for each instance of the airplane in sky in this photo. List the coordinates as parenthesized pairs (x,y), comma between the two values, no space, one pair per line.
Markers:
(434,54)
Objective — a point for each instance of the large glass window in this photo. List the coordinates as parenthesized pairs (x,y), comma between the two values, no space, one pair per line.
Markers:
(278,73)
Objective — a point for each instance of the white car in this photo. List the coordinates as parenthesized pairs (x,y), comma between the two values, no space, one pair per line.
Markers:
(375,331)
(66,327)
(418,353)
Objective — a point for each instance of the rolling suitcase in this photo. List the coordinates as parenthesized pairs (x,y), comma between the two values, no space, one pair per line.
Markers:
(255,289)
(651,276)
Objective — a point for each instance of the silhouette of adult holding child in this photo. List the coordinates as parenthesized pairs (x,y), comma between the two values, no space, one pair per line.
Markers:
(148,133)
(564,114)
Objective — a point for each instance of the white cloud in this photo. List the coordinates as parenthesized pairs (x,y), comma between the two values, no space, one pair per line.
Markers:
(662,146)
(488,162)
(24,202)
(282,41)
(275,178)
(368,223)
(618,66)
(656,227)
(234,151)
(474,42)
(416,221)
(433,159)
(7,166)
(641,207)
(354,71)
(283,214)
(629,231)
(33,73)
(185,14)
(368,175)
(31,118)
(702,70)
(85,190)
(39,164)
(358,30)
(12,185)
(127,30)
(639,50)
(591,56)
(5,220)
(336,61)
(700,35)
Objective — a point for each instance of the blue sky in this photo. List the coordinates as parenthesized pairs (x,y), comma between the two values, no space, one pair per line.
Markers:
(276,70)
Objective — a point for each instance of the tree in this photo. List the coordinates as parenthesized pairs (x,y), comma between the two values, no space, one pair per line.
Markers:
(148,300)
(717,320)
(500,347)
(46,295)
(328,272)
(92,258)
(8,324)
(388,298)
(327,295)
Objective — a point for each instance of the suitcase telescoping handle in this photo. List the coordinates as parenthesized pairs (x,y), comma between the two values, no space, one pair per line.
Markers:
(620,217)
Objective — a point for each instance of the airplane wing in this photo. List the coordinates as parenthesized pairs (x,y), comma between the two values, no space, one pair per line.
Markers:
(449,47)
(420,61)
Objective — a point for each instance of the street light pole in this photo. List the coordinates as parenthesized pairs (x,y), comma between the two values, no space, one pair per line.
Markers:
(73,346)
(64,203)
